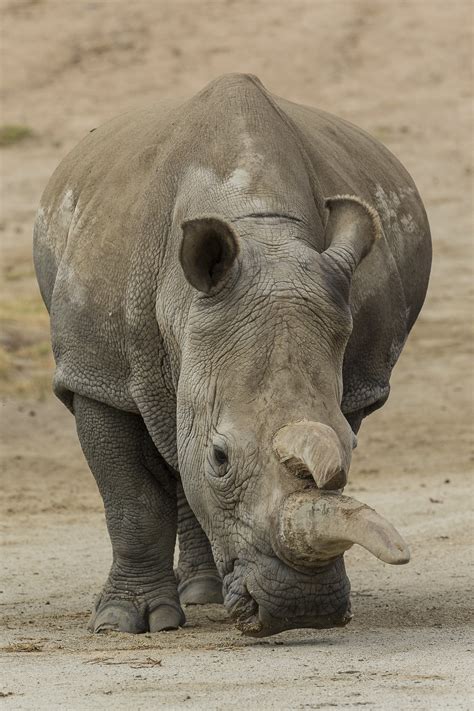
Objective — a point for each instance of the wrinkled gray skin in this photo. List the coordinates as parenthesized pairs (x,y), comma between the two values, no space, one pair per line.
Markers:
(182,351)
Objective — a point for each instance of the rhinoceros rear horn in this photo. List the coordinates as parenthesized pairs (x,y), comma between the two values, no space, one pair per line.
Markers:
(351,230)
(208,250)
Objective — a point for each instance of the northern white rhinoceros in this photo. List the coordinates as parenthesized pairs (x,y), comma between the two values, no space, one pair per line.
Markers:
(230,280)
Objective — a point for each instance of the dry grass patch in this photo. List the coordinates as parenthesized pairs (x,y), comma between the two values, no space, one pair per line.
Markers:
(26,361)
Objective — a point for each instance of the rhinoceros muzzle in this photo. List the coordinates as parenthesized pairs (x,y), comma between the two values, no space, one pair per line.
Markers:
(264,624)
(318,524)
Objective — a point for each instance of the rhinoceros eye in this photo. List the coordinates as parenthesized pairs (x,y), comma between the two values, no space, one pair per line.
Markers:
(220,457)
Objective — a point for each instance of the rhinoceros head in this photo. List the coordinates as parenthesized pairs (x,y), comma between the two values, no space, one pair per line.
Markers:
(264,448)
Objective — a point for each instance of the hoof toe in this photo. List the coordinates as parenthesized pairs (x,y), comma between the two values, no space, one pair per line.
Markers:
(125,616)
(166,617)
(201,590)
(118,618)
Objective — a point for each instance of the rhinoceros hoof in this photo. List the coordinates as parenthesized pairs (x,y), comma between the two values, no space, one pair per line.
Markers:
(201,589)
(126,616)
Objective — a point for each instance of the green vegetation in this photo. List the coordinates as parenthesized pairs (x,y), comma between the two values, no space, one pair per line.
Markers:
(13,133)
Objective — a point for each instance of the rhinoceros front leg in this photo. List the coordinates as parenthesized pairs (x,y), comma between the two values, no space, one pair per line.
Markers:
(139,495)
(198,580)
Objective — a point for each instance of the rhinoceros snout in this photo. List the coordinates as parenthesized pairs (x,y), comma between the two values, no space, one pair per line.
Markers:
(272,597)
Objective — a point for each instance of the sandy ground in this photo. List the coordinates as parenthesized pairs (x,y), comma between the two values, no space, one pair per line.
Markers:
(402,71)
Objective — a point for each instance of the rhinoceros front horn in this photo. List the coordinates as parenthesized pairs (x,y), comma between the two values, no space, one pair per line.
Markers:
(316,525)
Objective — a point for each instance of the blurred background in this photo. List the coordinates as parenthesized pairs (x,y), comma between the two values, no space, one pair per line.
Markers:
(402,71)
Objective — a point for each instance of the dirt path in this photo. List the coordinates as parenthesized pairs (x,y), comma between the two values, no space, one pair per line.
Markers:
(402,72)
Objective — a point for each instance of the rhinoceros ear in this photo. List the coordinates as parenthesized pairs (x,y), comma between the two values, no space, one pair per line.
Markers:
(351,230)
(208,250)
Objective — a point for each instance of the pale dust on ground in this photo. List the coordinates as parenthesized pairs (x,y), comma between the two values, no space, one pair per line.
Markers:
(399,69)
